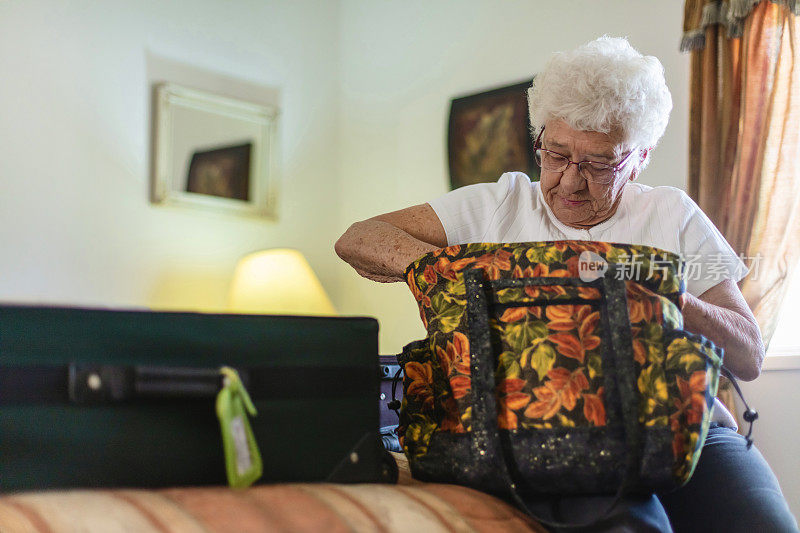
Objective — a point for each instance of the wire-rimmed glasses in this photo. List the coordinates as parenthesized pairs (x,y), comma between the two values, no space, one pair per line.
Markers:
(593,171)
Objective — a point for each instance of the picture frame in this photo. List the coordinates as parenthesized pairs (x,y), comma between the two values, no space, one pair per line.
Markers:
(214,152)
(489,134)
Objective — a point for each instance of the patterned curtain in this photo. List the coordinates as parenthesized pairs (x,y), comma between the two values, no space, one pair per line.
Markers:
(744,166)
(744,138)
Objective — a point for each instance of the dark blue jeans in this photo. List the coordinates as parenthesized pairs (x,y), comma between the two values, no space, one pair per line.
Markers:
(732,490)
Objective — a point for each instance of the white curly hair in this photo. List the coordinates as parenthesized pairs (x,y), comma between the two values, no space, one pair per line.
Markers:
(602,86)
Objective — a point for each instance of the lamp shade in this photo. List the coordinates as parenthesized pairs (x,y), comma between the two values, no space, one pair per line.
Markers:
(277,282)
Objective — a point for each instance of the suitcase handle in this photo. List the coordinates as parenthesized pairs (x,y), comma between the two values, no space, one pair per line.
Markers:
(93,384)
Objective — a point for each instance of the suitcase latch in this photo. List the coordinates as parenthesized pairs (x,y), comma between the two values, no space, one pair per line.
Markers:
(101,384)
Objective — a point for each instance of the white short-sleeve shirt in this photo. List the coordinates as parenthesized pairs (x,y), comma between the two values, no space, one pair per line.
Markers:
(514,210)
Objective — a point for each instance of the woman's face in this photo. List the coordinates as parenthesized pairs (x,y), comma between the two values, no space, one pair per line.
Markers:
(576,202)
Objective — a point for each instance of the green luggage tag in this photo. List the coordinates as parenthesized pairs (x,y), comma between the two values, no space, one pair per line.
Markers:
(242,458)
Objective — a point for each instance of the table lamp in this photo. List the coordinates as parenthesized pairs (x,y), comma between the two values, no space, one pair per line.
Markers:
(277,282)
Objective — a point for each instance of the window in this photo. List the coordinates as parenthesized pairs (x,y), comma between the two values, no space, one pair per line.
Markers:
(784,348)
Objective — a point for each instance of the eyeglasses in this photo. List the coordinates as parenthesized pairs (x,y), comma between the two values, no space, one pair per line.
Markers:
(593,171)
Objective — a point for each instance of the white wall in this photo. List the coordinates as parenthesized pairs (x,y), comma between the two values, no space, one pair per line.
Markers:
(75,223)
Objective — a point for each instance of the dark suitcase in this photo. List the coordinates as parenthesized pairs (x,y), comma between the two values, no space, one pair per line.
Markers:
(152,421)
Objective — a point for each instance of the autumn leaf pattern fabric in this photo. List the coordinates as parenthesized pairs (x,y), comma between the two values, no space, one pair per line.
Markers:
(549,342)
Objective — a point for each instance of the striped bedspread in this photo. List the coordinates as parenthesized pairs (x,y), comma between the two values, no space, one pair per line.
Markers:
(409,506)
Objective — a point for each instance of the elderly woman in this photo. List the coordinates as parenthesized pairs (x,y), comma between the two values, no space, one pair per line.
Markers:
(597,113)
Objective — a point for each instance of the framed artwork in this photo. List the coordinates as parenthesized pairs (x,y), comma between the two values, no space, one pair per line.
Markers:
(489,134)
(214,152)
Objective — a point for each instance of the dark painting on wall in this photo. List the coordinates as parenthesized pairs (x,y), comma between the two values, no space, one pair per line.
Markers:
(489,134)
(222,172)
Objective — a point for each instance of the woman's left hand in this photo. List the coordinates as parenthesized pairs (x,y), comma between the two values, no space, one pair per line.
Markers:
(722,315)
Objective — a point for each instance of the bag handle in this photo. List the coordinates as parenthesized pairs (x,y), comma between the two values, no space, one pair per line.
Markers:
(617,323)
(486,438)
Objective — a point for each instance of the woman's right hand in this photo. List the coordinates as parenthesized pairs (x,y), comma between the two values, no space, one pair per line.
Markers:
(380,248)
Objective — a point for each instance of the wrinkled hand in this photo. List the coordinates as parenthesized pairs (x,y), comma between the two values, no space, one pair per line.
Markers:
(377,277)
